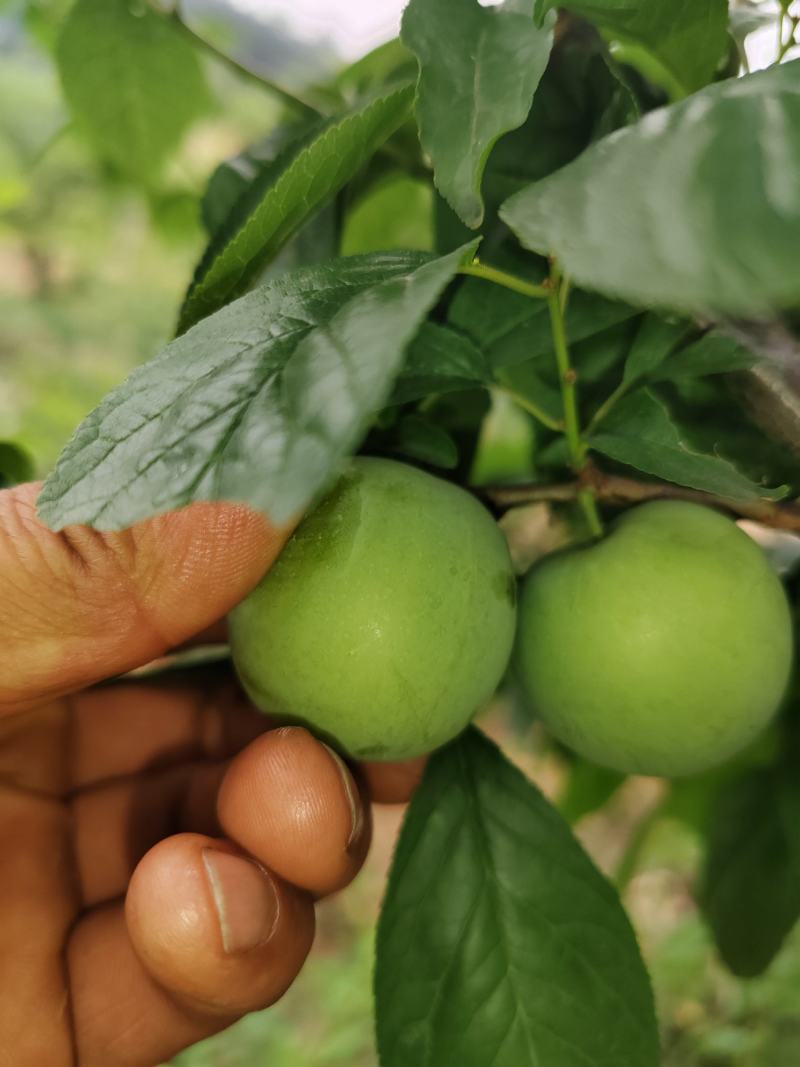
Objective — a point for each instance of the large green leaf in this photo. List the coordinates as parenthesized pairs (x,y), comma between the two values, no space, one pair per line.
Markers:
(295,187)
(696,207)
(261,402)
(479,69)
(499,942)
(750,891)
(132,82)
(640,433)
(687,38)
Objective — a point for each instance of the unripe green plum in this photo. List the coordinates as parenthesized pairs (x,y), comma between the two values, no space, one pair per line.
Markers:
(663,648)
(388,619)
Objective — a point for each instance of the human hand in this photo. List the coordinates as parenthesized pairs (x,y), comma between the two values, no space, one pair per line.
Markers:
(161,847)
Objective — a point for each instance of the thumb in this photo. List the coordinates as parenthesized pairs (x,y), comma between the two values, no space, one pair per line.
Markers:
(79,606)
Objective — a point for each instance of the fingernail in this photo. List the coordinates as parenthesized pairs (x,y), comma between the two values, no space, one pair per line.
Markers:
(351,796)
(245,900)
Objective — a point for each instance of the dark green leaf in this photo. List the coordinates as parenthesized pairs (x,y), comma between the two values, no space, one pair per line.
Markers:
(640,432)
(420,439)
(226,185)
(633,216)
(713,353)
(595,357)
(288,197)
(440,360)
(479,69)
(713,421)
(131,81)
(581,97)
(499,942)
(526,382)
(750,891)
(261,402)
(16,465)
(656,338)
(687,38)
(511,328)
(238,185)
(588,788)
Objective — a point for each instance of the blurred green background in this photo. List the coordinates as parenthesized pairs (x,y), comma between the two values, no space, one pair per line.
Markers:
(91,274)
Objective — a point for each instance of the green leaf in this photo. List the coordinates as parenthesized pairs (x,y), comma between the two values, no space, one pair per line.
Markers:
(582,96)
(396,212)
(526,383)
(688,38)
(43,20)
(713,353)
(696,207)
(597,356)
(499,942)
(16,465)
(386,62)
(238,184)
(440,360)
(588,788)
(713,420)
(288,196)
(640,433)
(479,69)
(420,439)
(262,402)
(656,338)
(511,328)
(750,891)
(132,83)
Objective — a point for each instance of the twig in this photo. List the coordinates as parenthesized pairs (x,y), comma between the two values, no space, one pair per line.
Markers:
(616,490)
(290,99)
(506,280)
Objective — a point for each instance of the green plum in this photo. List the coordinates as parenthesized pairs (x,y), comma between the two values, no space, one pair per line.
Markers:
(663,648)
(388,619)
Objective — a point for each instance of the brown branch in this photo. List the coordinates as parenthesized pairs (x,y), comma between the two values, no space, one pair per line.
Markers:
(619,491)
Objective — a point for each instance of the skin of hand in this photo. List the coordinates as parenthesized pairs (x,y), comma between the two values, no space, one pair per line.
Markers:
(161,847)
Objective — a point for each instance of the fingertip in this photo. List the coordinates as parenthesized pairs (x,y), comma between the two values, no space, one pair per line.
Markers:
(290,801)
(214,928)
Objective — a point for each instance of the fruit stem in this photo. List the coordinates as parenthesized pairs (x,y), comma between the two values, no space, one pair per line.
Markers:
(569,395)
(508,281)
(533,409)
